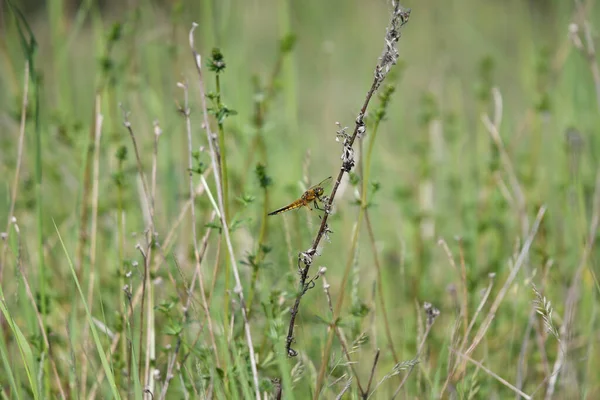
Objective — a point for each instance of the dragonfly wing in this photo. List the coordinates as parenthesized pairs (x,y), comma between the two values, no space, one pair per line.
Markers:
(321,184)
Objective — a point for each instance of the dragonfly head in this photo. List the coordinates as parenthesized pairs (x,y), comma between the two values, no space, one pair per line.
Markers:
(319,191)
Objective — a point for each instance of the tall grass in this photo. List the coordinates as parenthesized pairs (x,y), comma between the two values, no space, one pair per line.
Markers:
(457,259)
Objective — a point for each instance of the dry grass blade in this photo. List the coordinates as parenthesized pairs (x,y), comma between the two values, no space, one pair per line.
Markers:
(511,277)
(493,375)
(238,283)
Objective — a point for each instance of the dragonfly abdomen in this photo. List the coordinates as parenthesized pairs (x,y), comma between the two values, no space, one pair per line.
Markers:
(293,206)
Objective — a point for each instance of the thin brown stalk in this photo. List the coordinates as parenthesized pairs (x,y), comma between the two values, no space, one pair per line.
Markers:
(199,254)
(198,271)
(365,395)
(94,237)
(400,17)
(157,133)
(238,284)
(140,167)
(338,306)
(147,255)
(145,277)
(85,195)
(150,356)
(380,285)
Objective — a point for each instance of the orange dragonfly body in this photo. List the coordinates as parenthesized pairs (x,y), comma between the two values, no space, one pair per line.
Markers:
(313,194)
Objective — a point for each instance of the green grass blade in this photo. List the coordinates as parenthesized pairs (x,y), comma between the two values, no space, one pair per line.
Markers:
(105,364)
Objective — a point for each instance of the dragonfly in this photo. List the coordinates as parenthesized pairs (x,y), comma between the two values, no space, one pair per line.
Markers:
(312,195)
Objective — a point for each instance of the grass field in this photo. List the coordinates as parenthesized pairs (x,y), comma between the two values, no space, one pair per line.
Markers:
(458,259)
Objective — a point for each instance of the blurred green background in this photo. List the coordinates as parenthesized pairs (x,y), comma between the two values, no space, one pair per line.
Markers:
(436,170)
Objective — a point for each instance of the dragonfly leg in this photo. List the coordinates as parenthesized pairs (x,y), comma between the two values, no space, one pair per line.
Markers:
(317,206)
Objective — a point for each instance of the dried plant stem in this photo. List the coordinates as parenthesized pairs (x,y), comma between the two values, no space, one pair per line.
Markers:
(140,168)
(166,246)
(150,325)
(463,280)
(197,255)
(573,293)
(507,284)
(138,294)
(558,364)
(380,294)
(492,374)
(220,150)
(342,340)
(365,394)
(457,365)
(494,130)
(344,390)
(338,307)
(147,255)
(419,352)
(145,278)
(238,284)
(463,284)
(15,185)
(94,238)
(83,218)
(400,17)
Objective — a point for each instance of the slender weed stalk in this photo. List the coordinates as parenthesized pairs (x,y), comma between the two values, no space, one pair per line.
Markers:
(380,113)
(239,290)
(91,276)
(432,313)
(198,254)
(389,57)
